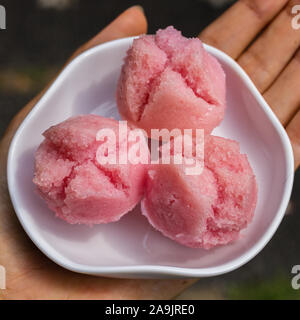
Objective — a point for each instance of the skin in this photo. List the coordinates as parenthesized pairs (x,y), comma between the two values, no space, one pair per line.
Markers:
(259,36)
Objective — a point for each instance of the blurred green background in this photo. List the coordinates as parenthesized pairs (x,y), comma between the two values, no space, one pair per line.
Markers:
(42,34)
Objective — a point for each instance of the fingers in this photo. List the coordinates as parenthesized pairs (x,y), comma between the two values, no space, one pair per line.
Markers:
(131,22)
(293,132)
(284,95)
(270,53)
(237,27)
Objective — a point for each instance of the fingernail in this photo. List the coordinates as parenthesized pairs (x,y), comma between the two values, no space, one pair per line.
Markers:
(139,7)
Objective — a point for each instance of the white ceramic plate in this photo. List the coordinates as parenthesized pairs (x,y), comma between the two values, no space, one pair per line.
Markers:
(130,248)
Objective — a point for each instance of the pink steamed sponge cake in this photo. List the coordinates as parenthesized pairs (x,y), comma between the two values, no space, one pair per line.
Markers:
(73,183)
(169,81)
(203,211)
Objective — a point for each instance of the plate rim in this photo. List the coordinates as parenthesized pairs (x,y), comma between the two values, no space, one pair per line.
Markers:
(162,270)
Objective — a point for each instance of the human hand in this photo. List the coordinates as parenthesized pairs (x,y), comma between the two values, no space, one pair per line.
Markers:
(269,63)
(259,36)
(30,275)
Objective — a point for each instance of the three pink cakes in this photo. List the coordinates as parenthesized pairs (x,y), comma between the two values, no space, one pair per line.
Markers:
(167,82)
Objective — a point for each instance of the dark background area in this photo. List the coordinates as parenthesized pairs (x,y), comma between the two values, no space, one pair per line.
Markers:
(42,34)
